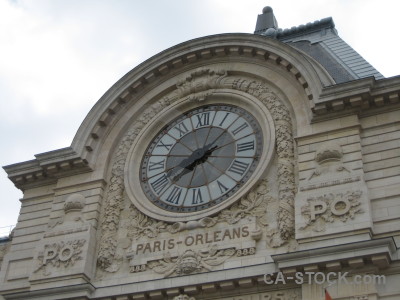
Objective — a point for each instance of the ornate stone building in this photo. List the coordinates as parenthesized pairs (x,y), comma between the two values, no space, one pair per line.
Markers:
(214,163)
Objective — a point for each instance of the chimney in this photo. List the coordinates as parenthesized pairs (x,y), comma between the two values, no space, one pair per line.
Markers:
(265,21)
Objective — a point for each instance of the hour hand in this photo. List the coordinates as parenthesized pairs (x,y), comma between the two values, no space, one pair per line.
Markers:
(198,156)
(184,164)
(185,171)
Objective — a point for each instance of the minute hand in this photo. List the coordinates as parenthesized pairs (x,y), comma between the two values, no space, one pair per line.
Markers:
(197,157)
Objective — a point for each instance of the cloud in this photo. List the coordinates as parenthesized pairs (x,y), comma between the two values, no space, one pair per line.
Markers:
(59,57)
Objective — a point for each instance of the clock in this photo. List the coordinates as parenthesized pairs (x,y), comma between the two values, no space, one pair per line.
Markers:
(201,158)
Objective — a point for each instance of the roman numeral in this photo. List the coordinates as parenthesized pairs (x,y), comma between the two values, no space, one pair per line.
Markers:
(245,146)
(159,184)
(156,165)
(238,167)
(182,129)
(174,195)
(240,128)
(203,119)
(223,120)
(166,146)
(197,198)
(222,188)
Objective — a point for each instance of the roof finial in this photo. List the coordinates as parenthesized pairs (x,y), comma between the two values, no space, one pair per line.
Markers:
(266,20)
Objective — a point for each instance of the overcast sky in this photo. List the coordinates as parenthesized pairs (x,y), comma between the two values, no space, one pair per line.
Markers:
(58,57)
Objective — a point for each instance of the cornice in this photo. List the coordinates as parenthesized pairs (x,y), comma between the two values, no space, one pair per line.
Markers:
(46,168)
(379,252)
(361,96)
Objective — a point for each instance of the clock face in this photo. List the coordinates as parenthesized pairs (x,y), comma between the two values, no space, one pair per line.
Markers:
(201,158)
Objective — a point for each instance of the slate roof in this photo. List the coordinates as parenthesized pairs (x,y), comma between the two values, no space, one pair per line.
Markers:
(321,41)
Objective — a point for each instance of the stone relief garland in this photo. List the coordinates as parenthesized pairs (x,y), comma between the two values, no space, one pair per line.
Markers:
(114,199)
(191,261)
(285,152)
(254,203)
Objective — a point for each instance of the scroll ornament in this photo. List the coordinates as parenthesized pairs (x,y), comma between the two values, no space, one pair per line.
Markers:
(191,261)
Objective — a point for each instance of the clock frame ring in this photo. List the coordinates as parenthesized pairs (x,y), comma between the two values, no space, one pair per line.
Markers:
(133,185)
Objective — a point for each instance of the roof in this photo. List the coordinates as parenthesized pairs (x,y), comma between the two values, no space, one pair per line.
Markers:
(321,41)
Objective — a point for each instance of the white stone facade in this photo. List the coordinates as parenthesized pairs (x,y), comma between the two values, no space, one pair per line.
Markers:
(324,198)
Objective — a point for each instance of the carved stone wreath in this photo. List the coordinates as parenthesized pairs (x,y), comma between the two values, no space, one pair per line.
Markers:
(59,254)
(328,211)
(198,86)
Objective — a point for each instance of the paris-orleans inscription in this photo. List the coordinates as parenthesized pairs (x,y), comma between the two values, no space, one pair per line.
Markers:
(199,239)
(193,250)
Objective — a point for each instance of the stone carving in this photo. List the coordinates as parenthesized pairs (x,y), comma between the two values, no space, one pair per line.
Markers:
(184,297)
(329,160)
(191,261)
(114,198)
(285,152)
(330,151)
(363,297)
(73,206)
(141,225)
(74,202)
(202,223)
(330,207)
(59,254)
(200,84)
(196,87)
(253,204)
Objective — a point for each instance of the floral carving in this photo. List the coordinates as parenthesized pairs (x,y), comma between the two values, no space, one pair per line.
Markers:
(200,84)
(253,204)
(191,262)
(330,207)
(141,225)
(114,198)
(60,254)
(285,152)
